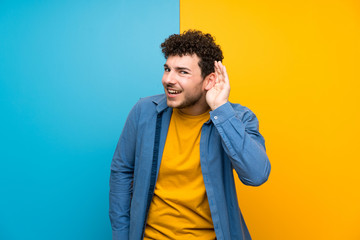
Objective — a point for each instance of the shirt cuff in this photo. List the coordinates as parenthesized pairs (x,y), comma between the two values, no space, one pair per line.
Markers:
(222,113)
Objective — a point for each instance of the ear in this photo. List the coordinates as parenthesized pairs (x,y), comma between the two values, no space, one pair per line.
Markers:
(209,81)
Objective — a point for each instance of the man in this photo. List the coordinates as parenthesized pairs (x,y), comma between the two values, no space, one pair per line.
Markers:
(172,171)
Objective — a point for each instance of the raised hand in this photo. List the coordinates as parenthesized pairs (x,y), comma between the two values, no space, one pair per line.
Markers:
(219,93)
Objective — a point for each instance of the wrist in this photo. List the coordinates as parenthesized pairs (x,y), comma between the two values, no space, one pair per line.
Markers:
(215,106)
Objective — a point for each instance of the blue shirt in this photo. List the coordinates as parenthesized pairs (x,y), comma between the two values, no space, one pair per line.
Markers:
(229,140)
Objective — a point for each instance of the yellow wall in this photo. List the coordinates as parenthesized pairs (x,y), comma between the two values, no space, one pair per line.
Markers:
(296,65)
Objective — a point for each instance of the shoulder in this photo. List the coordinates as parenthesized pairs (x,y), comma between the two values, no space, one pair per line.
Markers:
(151,102)
(150,105)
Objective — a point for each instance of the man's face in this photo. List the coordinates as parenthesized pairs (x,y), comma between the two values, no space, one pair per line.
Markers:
(183,84)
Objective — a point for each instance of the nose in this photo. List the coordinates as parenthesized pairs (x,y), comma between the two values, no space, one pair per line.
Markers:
(169,78)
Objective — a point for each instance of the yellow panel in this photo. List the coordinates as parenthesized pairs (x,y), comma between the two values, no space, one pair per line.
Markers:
(296,65)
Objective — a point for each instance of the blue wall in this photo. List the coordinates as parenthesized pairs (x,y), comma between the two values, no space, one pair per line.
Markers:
(70,71)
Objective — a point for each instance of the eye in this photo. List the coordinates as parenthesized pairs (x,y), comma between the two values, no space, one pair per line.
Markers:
(166,69)
(184,72)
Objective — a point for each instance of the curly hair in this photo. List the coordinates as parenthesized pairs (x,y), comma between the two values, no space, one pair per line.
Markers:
(194,42)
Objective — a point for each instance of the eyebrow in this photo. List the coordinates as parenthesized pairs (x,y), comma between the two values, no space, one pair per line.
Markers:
(179,68)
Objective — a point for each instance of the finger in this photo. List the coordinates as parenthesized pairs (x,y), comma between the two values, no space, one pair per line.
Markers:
(217,71)
(221,68)
(217,67)
(226,76)
(222,71)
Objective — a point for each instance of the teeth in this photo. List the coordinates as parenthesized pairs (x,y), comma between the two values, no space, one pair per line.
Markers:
(173,91)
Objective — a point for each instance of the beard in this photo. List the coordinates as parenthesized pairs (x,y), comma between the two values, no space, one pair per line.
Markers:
(190,97)
(190,101)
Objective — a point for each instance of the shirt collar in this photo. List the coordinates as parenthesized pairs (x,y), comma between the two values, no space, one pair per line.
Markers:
(160,101)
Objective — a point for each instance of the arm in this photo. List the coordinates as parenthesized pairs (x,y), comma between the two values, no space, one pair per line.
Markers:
(239,130)
(243,143)
(121,178)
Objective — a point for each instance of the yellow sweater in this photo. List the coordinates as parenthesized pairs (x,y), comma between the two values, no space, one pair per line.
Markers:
(180,208)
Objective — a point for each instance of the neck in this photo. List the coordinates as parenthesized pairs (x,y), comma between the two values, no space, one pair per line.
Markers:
(195,110)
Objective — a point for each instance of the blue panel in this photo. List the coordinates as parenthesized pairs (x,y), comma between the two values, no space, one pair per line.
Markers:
(70,71)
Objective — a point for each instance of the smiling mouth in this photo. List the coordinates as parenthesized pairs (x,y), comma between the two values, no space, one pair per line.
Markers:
(173,92)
